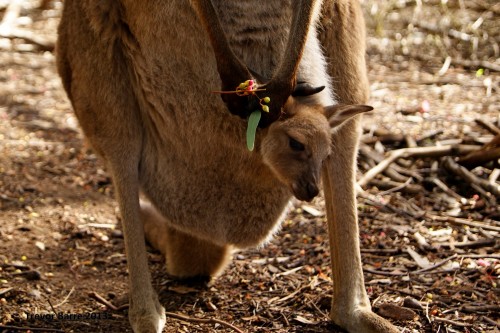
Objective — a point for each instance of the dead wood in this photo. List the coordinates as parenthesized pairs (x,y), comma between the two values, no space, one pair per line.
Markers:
(392,186)
(473,244)
(489,152)
(103,301)
(28,329)
(476,64)
(448,190)
(391,172)
(480,308)
(469,177)
(9,30)
(459,221)
(203,321)
(451,322)
(436,151)
(489,126)
(384,138)
(28,36)
(433,267)
(11,14)
(480,157)
(461,62)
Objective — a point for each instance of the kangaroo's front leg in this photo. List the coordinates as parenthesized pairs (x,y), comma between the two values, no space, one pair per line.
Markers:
(146,315)
(351,307)
(342,37)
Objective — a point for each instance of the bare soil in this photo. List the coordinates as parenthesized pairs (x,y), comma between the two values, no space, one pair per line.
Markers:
(431,255)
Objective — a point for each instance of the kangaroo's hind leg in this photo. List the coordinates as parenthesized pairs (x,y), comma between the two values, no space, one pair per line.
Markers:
(186,256)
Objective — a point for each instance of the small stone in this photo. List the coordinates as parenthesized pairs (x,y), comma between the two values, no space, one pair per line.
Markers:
(36,294)
(40,245)
(396,312)
(412,303)
(32,275)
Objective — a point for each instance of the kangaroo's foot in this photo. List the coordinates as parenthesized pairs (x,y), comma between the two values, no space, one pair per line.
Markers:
(361,320)
(146,315)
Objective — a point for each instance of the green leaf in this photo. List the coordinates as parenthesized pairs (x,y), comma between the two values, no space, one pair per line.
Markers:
(253,122)
(480,72)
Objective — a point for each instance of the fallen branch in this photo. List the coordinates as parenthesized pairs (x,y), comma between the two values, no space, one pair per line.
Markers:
(65,299)
(374,201)
(103,301)
(32,329)
(494,176)
(111,306)
(203,321)
(488,125)
(5,290)
(390,186)
(477,64)
(480,308)
(461,62)
(43,44)
(459,221)
(385,251)
(435,151)
(451,322)
(437,30)
(371,271)
(469,177)
(480,157)
(433,267)
(480,256)
(9,18)
(449,191)
(489,152)
(491,321)
(472,244)
(394,171)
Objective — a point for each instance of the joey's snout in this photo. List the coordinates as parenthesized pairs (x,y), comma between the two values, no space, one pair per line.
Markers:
(305,190)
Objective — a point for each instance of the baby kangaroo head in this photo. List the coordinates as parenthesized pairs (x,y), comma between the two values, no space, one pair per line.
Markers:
(296,146)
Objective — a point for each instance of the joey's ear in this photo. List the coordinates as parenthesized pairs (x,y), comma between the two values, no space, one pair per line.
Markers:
(303,89)
(337,114)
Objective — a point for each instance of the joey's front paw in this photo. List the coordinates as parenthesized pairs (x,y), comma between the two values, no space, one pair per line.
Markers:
(149,318)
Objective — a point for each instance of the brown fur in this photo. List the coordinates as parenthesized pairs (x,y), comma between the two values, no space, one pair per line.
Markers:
(139,76)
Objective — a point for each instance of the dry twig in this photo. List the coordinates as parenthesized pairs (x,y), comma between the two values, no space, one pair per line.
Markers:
(436,151)
(32,329)
(451,322)
(103,301)
(489,126)
(459,221)
(111,306)
(203,321)
(469,177)
(436,265)
(65,299)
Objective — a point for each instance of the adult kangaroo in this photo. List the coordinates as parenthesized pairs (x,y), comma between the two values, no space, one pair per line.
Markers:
(140,76)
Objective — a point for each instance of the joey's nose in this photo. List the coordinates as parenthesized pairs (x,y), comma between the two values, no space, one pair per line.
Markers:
(312,191)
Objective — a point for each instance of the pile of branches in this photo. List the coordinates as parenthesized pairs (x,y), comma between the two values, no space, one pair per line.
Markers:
(430,227)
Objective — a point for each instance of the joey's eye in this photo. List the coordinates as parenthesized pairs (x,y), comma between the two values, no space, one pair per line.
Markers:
(295,145)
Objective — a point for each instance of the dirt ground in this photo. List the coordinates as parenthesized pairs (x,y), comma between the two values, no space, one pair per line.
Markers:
(430,252)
